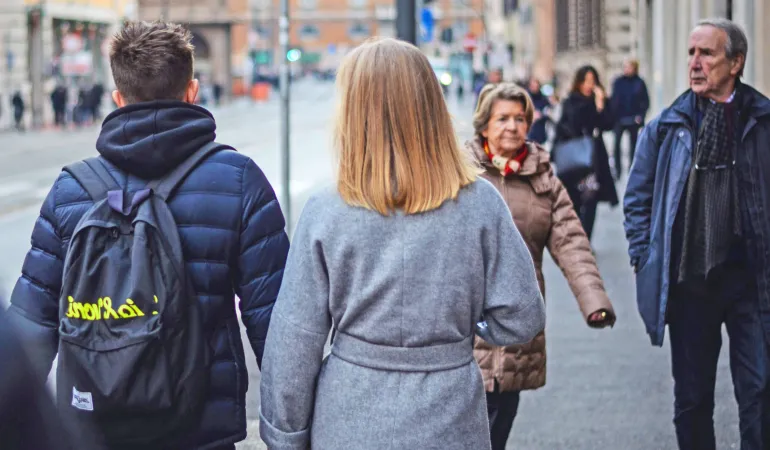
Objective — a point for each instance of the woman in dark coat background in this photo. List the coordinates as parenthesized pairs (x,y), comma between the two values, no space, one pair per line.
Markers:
(585,113)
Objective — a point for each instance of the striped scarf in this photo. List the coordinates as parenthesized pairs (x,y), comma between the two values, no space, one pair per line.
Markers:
(712,220)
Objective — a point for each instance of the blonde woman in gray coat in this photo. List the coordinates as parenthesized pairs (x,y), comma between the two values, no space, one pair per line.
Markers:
(409,257)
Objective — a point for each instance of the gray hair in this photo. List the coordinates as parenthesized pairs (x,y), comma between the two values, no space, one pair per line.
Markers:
(736,44)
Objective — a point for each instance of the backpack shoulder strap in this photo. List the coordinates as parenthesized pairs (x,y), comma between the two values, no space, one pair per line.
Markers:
(164,187)
(94,177)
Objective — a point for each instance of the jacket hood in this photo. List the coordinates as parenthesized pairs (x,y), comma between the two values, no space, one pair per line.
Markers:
(537,161)
(149,139)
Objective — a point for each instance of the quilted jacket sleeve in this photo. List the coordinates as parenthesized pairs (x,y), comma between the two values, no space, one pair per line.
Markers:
(296,341)
(264,246)
(34,306)
(514,310)
(571,250)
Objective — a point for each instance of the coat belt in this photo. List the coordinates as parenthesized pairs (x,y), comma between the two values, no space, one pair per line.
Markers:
(407,359)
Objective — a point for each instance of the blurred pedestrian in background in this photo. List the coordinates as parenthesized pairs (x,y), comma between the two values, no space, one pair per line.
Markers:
(585,113)
(494,76)
(96,98)
(403,259)
(629,105)
(544,215)
(699,236)
(542,105)
(18,110)
(59,104)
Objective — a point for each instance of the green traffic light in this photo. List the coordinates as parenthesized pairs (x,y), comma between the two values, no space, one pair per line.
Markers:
(293,55)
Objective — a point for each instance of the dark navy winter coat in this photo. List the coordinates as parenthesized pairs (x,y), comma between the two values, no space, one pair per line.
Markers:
(629,99)
(233,239)
(654,194)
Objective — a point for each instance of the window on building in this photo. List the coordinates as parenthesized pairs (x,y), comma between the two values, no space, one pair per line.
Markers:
(579,25)
(562,25)
(358,3)
(309,32)
(510,7)
(263,31)
(359,31)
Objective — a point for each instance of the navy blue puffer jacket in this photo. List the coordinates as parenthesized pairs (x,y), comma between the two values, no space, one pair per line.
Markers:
(232,233)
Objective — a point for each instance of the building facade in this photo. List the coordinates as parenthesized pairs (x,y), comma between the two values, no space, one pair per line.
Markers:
(325,30)
(552,38)
(601,33)
(45,41)
(532,33)
(220,31)
(664,27)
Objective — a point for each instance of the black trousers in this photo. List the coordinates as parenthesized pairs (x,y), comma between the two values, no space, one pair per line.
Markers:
(585,208)
(501,408)
(696,315)
(633,131)
(59,116)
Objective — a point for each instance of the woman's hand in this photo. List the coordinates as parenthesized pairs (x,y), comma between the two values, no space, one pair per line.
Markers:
(601,319)
(599,97)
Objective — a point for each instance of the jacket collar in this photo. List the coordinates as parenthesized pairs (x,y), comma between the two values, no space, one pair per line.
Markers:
(683,110)
(535,166)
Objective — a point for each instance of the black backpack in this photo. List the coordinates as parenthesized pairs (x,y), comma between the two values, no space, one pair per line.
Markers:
(133,359)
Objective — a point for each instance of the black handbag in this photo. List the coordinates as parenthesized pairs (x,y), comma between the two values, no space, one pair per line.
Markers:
(574,157)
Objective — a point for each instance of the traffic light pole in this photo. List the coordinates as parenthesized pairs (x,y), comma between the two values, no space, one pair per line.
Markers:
(406,20)
(285,81)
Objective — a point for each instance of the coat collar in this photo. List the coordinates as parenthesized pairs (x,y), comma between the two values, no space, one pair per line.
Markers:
(535,167)
(683,110)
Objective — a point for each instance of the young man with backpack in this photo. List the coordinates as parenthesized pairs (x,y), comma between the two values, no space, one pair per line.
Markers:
(136,260)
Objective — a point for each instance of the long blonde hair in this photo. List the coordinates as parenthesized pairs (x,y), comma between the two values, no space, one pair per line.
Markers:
(396,144)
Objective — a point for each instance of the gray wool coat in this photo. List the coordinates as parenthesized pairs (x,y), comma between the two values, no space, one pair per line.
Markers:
(406,294)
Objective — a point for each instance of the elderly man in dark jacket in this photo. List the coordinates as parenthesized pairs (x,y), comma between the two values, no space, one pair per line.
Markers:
(230,224)
(698,225)
(629,104)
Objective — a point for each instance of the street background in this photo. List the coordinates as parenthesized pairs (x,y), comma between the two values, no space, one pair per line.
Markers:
(606,389)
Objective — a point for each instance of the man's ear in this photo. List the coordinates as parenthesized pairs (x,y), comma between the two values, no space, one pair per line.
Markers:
(117,97)
(737,64)
(192,91)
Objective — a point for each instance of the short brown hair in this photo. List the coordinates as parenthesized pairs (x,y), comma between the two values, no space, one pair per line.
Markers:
(152,61)
(491,93)
(396,144)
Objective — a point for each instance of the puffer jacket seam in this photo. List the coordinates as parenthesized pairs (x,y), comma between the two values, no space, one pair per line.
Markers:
(243,206)
(44,252)
(208,161)
(55,226)
(260,276)
(37,283)
(77,203)
(211,227)
(202,192)
(265,237)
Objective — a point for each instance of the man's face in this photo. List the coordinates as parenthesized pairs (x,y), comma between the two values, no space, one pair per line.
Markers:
(628,69)
(495,76)
(712,74)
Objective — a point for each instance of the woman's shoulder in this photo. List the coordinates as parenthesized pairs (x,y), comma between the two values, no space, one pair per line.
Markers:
(481,196)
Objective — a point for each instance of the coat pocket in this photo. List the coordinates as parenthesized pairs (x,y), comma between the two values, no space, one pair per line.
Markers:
(132,378)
